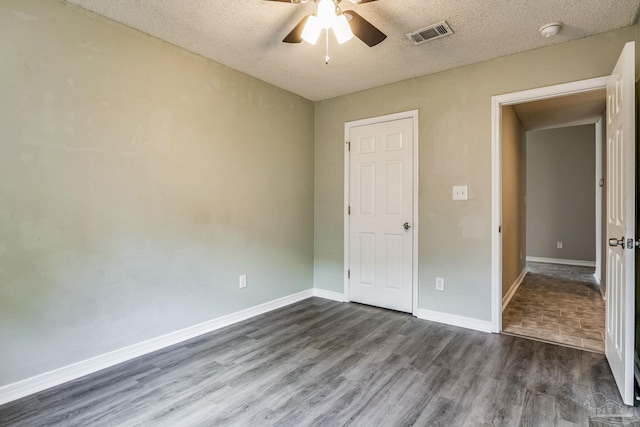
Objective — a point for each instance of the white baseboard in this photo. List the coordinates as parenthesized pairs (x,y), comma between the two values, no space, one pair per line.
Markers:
(332,295)
(562,261)
(597,278)
(514,287)
(17,390)
(71,372)
(455,320)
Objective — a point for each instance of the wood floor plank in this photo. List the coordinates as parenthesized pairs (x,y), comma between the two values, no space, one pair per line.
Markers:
(441,412)
(323,363)
(539,410)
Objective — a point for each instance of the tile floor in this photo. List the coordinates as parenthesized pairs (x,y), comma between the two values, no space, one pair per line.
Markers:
(558,303)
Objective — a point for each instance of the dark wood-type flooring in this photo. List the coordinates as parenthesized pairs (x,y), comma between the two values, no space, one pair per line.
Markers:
(558,303)
(322,363)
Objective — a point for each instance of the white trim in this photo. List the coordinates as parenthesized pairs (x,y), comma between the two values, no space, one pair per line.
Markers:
(416,203)
(597,278)
(599,193)
(331,295)
(599,282)
(455,320)
(578,262)
(71,372)
(347,189)
(412,114)
(514,288)
(497,102)
(496,214)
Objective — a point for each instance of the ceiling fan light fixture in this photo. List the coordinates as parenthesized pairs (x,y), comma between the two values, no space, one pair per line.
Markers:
(327,16)
(326,13)
(341,29)
(312,30)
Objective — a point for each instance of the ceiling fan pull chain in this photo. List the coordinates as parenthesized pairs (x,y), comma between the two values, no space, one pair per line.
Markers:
(326,58)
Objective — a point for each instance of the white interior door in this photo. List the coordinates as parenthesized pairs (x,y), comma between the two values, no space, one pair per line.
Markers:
(619,336)
(381,214)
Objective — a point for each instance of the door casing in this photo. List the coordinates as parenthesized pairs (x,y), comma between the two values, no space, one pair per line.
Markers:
(497,102)
(413,114)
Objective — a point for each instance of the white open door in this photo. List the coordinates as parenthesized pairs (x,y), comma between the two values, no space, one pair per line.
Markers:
(381,219)
(621,169)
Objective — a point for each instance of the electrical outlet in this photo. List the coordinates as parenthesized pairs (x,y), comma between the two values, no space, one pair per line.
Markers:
(460,192)
(520,254)
(559,245)
(243,281)
(439,284)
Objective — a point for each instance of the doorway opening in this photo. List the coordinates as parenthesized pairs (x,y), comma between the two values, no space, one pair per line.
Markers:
(564,98)
(551,217)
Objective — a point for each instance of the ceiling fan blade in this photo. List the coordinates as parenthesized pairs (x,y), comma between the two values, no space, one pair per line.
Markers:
(295,1)
(364,30)
(354,1)
(295,36)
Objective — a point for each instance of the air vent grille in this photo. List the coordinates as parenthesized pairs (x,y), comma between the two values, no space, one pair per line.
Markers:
(432,32)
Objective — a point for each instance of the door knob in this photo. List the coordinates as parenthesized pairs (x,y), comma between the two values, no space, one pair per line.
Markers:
(616,242)
(406,225)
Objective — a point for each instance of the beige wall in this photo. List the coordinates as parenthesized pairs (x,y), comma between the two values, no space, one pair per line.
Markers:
(561,202)
(455,149)
(514,223)
(137,181)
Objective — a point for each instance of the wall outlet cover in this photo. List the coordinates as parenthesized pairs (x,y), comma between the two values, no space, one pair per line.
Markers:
(460,192)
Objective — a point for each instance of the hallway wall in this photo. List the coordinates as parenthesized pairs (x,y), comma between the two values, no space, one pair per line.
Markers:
(561,177)
(513,198)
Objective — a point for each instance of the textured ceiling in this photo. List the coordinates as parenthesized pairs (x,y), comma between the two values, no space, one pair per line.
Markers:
(571,110)
(246,35)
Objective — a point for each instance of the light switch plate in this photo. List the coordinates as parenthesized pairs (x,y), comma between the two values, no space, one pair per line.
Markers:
(460,192)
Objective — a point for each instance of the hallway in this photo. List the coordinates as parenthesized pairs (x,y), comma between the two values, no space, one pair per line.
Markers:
(560,304)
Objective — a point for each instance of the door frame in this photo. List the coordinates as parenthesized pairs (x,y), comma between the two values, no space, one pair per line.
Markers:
(497,102)
(412,114)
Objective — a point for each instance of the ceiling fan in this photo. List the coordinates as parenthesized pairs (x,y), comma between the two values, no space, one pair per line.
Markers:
(329,15)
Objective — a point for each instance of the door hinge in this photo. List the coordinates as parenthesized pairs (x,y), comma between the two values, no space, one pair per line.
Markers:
(348,274)
(348,145)
(349,210)
(500,229)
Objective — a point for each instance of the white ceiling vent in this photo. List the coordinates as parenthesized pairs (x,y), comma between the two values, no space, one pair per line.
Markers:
(431,32)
